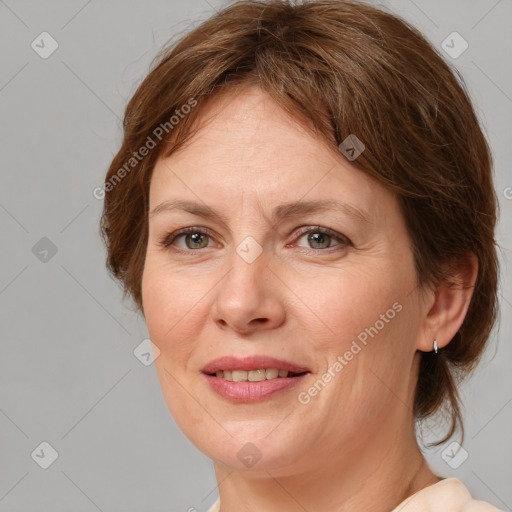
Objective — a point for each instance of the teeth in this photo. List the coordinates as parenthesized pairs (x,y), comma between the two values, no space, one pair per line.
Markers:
(256,375)
(251,375)
(272,373)
(239,375)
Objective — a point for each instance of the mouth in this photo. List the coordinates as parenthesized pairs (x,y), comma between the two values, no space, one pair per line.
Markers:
(252,379)
(254,375)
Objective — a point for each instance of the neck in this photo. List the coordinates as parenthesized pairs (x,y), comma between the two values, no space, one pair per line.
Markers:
(377,475)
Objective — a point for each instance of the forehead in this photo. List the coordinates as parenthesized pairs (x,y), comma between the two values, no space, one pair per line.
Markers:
(246,145)
(248,119)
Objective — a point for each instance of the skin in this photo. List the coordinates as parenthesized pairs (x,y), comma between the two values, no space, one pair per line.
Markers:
(352,446)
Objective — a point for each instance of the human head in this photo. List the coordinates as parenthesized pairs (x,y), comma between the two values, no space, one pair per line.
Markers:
(340,68)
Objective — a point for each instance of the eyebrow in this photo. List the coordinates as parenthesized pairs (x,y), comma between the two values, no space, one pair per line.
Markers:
(281,212)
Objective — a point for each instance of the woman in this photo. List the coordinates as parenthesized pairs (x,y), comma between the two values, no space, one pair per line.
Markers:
(303,210)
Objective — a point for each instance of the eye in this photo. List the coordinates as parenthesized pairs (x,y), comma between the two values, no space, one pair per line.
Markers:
(321,238)
(194,238)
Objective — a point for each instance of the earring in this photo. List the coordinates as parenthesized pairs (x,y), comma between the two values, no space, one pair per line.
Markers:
(435,346)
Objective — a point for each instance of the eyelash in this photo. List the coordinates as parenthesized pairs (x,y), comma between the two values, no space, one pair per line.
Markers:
(169,238)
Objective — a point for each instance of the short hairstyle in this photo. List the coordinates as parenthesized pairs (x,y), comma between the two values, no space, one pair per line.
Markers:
(340,67)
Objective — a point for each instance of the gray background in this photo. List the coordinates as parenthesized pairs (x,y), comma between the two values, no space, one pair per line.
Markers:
(68,375)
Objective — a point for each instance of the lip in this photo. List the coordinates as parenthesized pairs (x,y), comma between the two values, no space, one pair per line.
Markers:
(252,391)
(251,363)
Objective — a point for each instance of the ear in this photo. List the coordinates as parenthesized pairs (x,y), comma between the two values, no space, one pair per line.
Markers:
(448,303)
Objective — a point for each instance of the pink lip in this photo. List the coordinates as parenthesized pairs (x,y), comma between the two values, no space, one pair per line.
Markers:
(251,363)
(252,391)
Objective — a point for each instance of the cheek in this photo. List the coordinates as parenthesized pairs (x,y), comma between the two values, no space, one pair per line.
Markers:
(171,305)
(368,319)
(349,301)
(170,309)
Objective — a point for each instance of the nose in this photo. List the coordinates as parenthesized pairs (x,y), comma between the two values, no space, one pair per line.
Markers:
(250,297)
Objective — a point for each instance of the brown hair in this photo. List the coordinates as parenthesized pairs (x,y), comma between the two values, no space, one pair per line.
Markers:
(344,68)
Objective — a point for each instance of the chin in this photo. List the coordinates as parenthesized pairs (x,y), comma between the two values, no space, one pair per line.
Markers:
(249,446)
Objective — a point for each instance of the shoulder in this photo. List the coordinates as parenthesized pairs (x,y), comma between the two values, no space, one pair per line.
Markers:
(216,507)
(448,495)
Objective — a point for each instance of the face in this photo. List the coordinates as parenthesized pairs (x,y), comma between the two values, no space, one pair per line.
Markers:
(255,287)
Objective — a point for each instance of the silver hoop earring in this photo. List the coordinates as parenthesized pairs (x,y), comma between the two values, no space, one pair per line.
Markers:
(435,346)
